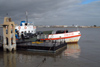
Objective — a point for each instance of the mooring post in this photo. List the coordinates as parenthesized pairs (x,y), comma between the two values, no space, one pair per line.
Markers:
(9,40)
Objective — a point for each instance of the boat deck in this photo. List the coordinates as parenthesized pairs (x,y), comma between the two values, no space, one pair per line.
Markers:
(45,46)
(38,46)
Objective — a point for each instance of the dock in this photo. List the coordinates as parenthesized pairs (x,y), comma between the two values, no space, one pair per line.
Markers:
(47,46)
(44,47)
(40,46)
(10,42)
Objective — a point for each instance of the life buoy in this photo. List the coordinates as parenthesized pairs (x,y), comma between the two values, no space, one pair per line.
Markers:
(25,27)
(19,27)
(34,27)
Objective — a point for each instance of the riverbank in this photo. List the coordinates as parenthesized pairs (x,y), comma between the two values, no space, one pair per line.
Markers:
(65,26)
(69,27)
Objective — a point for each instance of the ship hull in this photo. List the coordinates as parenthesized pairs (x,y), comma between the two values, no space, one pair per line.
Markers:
(72,40)
(71,37)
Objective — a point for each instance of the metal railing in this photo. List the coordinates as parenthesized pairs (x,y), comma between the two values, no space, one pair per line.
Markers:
(42,36)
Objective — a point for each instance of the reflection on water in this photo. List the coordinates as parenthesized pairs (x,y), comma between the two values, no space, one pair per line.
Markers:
(9,59)
(72,50)
(37,59)
(29,58)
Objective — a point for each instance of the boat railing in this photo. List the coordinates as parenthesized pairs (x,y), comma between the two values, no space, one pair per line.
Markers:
(42,36)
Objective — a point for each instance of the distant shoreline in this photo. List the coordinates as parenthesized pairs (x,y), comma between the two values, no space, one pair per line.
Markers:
(68,27)
(64,27)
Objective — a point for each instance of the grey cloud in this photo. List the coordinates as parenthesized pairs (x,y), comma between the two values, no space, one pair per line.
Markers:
(51,12)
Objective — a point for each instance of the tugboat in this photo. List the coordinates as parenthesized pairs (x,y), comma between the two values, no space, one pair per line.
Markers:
(27,28)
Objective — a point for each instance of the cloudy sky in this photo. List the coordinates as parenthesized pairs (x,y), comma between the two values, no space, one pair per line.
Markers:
(52,12)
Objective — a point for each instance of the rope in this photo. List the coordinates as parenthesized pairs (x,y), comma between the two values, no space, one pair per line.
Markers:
(41,62)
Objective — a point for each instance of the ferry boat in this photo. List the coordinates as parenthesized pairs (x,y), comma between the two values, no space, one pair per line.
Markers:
(63,36)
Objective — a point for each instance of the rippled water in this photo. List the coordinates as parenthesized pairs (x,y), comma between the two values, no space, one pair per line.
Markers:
(84,54)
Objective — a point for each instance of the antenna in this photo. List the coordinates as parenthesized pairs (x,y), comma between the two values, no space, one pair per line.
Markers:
(6,14)
(26,17)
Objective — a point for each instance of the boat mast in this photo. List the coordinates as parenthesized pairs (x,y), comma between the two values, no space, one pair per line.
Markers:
(26,17)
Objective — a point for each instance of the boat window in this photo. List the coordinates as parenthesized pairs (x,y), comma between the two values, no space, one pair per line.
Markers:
(59,31)
(25,24)
(53,32)
(28,31)
(66,31)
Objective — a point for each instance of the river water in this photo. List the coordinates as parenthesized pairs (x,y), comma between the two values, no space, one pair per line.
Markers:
(84,54)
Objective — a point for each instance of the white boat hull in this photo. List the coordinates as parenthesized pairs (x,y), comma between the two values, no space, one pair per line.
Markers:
(72,40)
(70,37)
(69,40)
(28,29)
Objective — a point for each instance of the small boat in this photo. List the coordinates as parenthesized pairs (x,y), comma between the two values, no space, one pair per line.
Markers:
(63,36)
